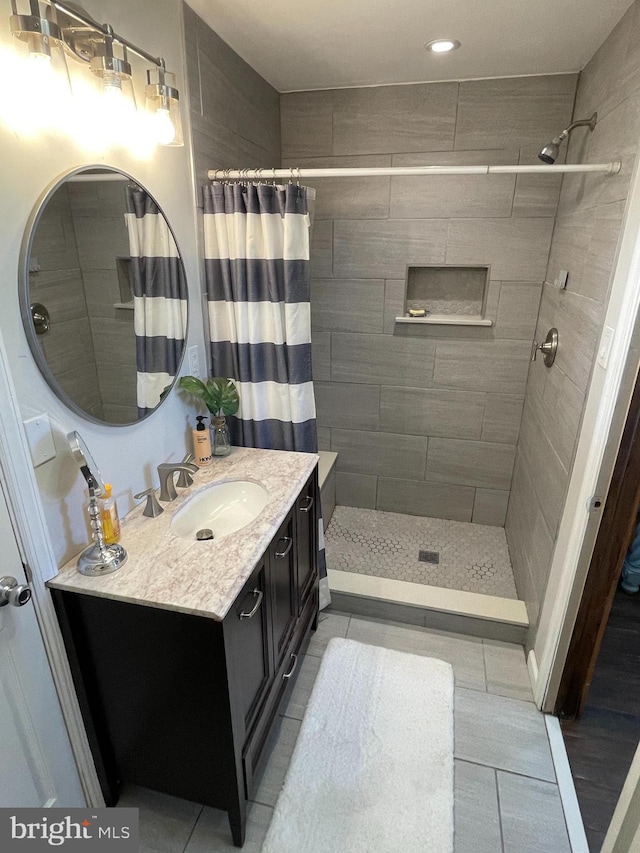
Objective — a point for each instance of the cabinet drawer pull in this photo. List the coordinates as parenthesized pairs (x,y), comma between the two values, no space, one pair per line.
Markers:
(247,614)
(309,504)
(294,664)
(280,554)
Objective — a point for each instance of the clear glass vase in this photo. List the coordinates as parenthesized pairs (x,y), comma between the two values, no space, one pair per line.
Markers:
(220,441)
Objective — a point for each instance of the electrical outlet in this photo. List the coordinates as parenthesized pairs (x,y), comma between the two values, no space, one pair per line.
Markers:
(194,362)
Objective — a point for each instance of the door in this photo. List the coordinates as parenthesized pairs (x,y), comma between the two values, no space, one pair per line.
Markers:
(37,767)
(306,541)
(283,588)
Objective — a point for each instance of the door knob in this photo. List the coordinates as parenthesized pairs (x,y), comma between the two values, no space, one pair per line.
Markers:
(12,592)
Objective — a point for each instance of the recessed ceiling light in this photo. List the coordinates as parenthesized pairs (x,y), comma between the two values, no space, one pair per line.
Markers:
(442,45)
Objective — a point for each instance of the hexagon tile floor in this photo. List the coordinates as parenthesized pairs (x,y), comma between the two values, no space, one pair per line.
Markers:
(472,557)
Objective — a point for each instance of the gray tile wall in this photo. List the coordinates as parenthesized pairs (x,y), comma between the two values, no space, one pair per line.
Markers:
(425,419)
(68,346)
(585,242)
(101,236)
(235,113)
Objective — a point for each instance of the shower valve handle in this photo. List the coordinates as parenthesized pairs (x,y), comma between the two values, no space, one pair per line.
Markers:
(548,348)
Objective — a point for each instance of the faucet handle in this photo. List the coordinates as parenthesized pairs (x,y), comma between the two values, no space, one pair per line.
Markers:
(184,477)
(152,508)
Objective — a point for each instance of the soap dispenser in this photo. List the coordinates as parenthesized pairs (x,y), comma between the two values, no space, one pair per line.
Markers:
(202,444)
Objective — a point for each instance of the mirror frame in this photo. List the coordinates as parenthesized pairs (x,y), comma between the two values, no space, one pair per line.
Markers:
(25,303)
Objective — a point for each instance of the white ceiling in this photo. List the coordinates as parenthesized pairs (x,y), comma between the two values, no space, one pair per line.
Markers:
(320,44)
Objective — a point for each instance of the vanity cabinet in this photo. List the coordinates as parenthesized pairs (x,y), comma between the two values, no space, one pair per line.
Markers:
(182,703)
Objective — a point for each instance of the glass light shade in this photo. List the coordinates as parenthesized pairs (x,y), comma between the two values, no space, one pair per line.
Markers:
(163,105)
(40,93)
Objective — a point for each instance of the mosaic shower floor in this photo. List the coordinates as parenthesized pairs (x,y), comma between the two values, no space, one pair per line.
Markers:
(450,554)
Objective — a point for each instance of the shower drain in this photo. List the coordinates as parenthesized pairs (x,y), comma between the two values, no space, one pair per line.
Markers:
(429,556)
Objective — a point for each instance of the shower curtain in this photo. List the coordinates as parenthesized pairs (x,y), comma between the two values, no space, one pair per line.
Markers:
(159,298)
(256,239)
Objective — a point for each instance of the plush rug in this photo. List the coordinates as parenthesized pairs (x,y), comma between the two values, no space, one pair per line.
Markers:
(373,766)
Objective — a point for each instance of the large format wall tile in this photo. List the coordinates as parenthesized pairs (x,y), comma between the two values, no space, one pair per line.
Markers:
(61,291)
(517,310)
(499,366)
(535,195)
(321,356)
(384,248)
(381,453)
(321,265)
(390,119)
(381,359)
(307,124)
(347,306)
(340,404)
(516,249)
(579,322)
(356,489)
(419,411)
(550,477)
(445,196)
(517,109)
(490,507)
(502,416)
(347,198)
(436,500)
(470,463)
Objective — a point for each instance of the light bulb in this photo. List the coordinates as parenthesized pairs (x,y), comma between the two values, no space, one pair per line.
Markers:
(164,127)
(442,45)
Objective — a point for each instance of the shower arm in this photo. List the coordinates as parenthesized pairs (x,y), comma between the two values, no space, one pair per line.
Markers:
(583,122)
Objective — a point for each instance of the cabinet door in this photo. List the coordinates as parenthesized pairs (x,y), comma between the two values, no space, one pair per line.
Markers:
(283,593)
(306,541)
(247,627)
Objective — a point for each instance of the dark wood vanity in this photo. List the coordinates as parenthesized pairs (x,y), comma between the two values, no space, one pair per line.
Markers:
(182,703)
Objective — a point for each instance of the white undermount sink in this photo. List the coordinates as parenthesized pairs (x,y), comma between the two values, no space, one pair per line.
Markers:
(222,508)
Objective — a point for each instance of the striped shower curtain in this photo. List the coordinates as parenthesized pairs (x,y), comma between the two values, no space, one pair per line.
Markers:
(159,298)
(256,240)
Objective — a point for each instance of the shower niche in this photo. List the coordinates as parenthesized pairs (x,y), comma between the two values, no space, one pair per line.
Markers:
(449,295)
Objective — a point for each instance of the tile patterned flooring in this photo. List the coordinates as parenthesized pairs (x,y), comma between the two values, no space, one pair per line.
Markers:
(472,557)
(506,796)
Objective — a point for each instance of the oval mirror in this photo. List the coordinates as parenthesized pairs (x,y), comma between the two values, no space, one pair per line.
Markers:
(103,296)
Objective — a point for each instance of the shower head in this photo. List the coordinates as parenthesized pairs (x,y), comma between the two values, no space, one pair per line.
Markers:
(549,153)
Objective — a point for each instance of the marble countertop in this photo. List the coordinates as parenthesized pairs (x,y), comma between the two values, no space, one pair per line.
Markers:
(204,578)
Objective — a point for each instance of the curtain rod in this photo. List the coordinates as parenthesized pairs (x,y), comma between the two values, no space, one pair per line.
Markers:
(294,173)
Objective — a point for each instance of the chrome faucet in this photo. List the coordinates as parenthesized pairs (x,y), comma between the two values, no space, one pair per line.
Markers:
(166,473)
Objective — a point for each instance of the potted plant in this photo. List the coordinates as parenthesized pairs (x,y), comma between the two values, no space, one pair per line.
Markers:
(220,396)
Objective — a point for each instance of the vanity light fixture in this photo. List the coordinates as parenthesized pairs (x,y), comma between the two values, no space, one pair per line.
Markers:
(442,45)
(163,104)
(57,28)
(114,73)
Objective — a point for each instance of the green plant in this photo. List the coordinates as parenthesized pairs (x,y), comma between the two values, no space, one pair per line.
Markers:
(219,394)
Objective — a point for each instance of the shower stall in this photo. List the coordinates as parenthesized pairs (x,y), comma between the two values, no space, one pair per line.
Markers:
(439,266)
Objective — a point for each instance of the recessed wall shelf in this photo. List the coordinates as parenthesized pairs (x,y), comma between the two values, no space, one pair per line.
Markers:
(446,320)
(451,295)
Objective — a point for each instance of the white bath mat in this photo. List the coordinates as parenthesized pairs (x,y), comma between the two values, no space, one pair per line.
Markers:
(373,766)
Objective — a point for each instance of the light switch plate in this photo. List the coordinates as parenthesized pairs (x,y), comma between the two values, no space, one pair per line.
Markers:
(40,439)
(605,346)
(194,362)
(563,278)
